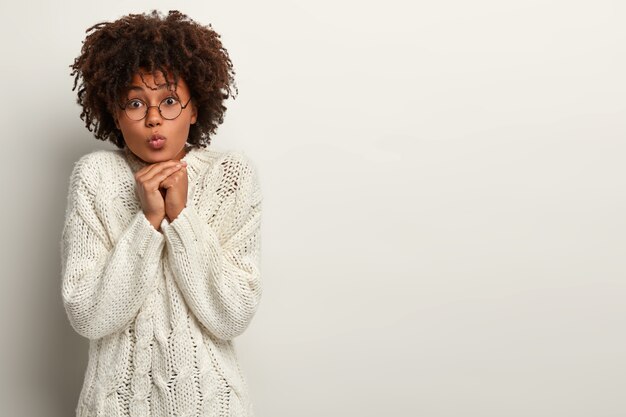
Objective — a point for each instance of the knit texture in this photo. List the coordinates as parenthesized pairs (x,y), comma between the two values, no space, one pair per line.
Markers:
(161,309)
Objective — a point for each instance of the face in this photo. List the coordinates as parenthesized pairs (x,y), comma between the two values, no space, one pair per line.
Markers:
(155,138)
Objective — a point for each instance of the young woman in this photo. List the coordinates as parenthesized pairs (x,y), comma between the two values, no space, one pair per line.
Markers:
(161,241)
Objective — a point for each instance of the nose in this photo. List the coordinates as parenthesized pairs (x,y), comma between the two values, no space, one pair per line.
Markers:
(153,117)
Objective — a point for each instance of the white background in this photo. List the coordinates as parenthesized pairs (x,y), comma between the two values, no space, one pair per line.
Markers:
(444,195)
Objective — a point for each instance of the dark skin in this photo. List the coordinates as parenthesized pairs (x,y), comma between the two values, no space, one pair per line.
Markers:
(162,184)
(162,189)
(113,51)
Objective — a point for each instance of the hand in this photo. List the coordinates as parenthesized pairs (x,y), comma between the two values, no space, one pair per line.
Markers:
(148,184)
(175,185)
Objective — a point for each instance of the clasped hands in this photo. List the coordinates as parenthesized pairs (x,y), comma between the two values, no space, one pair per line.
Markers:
(162,190)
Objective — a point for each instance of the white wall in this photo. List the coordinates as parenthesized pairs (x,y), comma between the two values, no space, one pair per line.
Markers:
(444,194)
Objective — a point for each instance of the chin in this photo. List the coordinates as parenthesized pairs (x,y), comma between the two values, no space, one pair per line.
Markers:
(151,156)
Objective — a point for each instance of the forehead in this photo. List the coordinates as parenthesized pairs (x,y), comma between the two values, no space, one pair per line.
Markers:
(146,81)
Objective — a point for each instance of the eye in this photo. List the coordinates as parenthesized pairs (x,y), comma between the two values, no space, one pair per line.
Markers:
(169,101)
(134,104)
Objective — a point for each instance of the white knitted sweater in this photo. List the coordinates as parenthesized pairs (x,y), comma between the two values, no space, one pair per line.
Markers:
(161,310)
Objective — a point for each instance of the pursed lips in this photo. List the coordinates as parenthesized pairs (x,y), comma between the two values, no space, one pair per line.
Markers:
(156,137)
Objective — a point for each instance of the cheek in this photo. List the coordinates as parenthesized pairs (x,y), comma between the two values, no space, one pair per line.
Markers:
(117,118)
(124,124)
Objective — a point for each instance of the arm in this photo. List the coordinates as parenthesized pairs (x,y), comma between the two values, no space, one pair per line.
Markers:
(103,287)
(216,263)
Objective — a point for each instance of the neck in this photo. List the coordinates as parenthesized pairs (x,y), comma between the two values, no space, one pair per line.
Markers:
(181,154)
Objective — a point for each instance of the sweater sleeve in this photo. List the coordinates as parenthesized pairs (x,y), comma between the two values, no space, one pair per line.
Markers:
(216,262)
(104,285)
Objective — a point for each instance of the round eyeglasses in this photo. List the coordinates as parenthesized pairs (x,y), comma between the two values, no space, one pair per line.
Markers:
(169,108)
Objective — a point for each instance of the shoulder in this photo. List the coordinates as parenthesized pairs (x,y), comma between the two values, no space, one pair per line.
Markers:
(91,168)
(239,171)
(232,171)
(229,159)
(244,177)
(237,163)
(227,164)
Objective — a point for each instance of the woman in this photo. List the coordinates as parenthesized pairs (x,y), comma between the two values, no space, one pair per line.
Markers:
(161,242)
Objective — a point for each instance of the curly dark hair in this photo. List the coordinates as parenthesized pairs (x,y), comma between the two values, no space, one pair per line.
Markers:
(175,44)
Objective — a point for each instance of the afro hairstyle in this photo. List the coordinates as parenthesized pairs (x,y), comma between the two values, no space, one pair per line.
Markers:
(173,44)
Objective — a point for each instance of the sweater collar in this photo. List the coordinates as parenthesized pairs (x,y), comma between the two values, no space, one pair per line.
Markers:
(191,157)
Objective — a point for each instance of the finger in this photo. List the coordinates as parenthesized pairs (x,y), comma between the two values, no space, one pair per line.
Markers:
(161,174)
(172,180)
(150,170)
(178,174)
(156,181)
(158,167)
(150,167)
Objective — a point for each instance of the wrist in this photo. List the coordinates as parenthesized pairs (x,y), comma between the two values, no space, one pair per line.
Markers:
(155,221)
(173,214)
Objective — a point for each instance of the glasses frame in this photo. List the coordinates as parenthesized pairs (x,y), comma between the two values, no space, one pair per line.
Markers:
(182,107)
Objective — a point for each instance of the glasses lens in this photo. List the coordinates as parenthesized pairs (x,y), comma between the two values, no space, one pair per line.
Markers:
(170,108)
(135,109)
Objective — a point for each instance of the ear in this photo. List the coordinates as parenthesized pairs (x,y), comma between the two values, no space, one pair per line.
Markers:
(117,123)
(194,113)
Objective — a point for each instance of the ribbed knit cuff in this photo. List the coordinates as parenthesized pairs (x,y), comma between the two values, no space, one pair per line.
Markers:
(144,237)
(183,229)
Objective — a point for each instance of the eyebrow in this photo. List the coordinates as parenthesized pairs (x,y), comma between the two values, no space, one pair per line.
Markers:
(140,88)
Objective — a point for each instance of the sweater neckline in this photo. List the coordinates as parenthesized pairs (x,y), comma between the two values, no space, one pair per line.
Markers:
(191,157)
